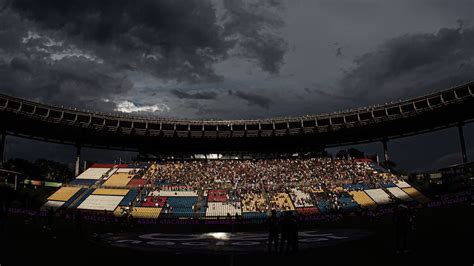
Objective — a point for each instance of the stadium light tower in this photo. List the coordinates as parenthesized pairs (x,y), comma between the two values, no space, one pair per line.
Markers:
(461,140)
(2,148)
(78,159)
(385,150)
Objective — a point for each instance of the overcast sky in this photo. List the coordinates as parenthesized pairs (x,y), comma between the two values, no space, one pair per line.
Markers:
(233,59)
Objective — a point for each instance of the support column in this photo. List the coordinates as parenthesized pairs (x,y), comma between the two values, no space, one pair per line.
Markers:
(16,181)
(463,144)
(2,148)
(78,159)
(385,151)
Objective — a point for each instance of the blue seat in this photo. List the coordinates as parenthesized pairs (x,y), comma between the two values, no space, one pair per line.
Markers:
(131,195)
(323,205)
(348,202)
(82,198)
(73,198)
(182,206)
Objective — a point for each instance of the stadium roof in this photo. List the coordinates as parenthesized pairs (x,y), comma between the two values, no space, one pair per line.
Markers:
(366,124)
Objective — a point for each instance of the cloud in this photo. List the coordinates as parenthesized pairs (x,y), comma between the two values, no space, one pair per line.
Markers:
(201,95)
(174,39)
(252,98)
(80,52)
(412,64)
(130,107)
(252,25)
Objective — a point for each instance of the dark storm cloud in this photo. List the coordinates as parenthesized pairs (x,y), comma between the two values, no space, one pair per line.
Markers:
(69,80)
(413,64)
(81,52)
(247,22)
(252,98)
(202,95)
(175,39)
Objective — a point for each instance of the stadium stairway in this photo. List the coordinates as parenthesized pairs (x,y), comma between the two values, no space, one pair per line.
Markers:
(74,198)
(81,198)
(129,198)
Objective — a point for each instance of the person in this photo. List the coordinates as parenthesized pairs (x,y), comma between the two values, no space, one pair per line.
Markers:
(285,232)
(272,223)
(402,227)
(78,220)
(294,233)
(3,218)
(50,219)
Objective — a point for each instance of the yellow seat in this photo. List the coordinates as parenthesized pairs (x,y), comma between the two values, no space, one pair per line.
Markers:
(109,191)
(64,193)
(412,192)
(283,202)
(118,180)
(146,212)
(363,199)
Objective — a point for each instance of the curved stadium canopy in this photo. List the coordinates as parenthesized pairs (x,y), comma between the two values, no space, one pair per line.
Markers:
(431,112)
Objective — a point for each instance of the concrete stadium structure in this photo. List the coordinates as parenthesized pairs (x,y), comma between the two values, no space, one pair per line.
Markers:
(443,109)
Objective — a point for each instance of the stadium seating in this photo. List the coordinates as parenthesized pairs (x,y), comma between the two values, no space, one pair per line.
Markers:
(203,207)
(118,180)
(64,194)
(128,170)
(347,202)
(166,186)
(120,211)
(282,202)
(51,204)
(402,184)
(150,202)
(379,196)
(223,208)
(219,195)
(358,186)
(109,191)
(363,199)
(100,202)
(412,192)
(254,215)
(174,193)
(75,197)
(399,194)
(181,206)
(109,174)
(145,212)
(129,197)
(93,173)
(301,199)
(323,205)
(308,210)
(136,182)
(81,198)
(251,202)
(83,182)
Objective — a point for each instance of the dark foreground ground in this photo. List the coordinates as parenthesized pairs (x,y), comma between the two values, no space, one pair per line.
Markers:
(442,236)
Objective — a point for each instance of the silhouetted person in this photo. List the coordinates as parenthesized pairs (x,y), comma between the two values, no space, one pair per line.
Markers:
(78,221)
(272,223)
(50,218)
(3,217)
(402,227)
(294,232)
(285,232)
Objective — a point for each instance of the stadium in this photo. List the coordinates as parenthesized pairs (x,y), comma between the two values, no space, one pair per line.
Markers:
(235,132)
(254,168)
